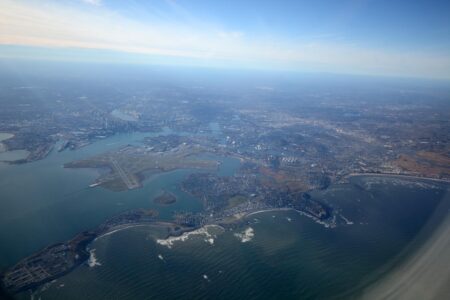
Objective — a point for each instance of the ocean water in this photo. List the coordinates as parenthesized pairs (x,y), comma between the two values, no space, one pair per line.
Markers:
(43,203)
(271,255)
(284,256)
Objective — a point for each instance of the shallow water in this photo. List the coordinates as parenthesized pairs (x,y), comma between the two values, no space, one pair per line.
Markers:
(43,203)
(273,255)
(14,155)
(5,136)
(288,255)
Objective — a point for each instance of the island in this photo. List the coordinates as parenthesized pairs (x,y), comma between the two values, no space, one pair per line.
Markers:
(61,258)
(165,198)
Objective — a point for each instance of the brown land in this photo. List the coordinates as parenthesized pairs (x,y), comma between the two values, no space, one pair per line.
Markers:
(429,164)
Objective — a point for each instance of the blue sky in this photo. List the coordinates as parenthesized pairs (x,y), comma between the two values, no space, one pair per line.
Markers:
(377,37)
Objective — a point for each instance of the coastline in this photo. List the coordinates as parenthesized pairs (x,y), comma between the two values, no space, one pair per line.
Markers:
(396,175)
(331,224)
(72,253)
(268,210)
(175,232)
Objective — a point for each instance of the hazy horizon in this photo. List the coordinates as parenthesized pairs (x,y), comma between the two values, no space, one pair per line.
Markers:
(401,38)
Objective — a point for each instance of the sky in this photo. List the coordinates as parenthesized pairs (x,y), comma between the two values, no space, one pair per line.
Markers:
(375,37)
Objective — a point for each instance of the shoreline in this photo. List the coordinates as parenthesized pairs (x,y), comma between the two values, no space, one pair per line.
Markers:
(79,245)
(268,210)
(151,224)
(324,223)
(396,175)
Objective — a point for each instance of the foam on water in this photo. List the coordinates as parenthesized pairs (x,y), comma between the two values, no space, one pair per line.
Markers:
(169,242)
(92,261)
(129,269)
(246,236)
(347,221)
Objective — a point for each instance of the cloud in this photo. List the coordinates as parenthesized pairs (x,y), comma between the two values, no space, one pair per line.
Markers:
(182,35)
